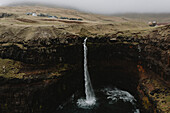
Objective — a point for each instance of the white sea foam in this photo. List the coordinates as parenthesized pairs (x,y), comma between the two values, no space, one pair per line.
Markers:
(86,104)
(137,111)
(115,95)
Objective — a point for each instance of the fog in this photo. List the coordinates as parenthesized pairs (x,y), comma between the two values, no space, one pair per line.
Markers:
(103,6)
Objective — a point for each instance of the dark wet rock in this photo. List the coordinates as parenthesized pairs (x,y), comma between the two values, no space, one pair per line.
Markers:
(155,91)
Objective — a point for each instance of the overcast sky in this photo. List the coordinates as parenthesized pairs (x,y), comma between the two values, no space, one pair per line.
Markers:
(106,6)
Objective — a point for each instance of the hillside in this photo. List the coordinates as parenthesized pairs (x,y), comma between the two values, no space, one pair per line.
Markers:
(96,24)
(146,17)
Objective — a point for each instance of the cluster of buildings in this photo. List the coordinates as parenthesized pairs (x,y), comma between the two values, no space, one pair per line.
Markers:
(71,18)
(155,23)
(152,24)
(41,15)
(49,16)
(2,15)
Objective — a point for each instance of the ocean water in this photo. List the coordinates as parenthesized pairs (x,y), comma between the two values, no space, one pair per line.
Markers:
(108,100)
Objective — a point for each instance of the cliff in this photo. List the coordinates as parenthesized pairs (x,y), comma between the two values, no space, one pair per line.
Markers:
(42,63)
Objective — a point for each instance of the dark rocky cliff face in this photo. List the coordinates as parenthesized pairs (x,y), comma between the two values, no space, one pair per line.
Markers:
(41,62)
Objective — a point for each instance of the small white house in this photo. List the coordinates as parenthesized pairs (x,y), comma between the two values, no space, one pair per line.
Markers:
(34,14)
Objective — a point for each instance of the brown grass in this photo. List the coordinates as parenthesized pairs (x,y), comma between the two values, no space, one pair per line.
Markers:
(26,20)
(162,24)
(76,22)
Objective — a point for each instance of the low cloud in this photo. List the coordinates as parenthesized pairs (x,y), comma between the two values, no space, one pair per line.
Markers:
(104,6)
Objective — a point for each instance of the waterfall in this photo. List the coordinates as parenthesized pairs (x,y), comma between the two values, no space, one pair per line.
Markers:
(88,87)
(90,96)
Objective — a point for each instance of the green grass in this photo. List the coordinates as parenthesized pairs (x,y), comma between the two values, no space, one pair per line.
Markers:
(10,68)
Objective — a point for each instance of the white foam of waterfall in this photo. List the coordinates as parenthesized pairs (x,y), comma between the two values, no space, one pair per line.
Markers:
(115,95)
(90,96)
